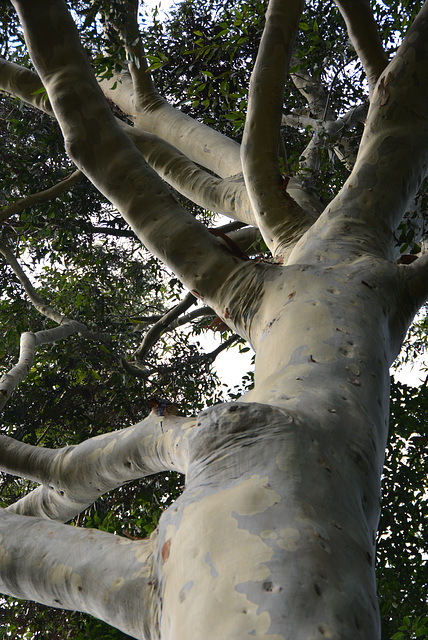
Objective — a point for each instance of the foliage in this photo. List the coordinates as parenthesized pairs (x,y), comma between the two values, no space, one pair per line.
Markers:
(402,546)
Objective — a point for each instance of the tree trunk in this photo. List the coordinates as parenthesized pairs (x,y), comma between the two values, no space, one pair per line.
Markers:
(274,535)
(282,500)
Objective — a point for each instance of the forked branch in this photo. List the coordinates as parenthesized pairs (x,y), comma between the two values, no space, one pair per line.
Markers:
(151,112)
(155,332)
(364,34)
(393,153)
(69,480)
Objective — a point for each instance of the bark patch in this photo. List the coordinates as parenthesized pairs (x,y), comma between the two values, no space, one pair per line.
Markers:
(165,550)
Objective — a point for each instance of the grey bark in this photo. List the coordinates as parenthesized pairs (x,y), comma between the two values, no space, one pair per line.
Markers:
(273,536)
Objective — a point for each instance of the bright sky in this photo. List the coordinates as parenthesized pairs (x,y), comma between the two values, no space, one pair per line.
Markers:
(162,4)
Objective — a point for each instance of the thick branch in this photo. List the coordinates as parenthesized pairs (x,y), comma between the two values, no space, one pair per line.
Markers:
(364,34)
(197,141)
(417,275)
(278,216)
(109,159)
(71,480)
(110,577)
(152,113)
(25,84)
(227,196)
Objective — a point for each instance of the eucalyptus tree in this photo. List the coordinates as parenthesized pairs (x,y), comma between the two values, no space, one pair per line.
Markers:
(274,533)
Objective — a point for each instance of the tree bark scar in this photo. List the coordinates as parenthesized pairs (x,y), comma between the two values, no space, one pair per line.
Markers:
(165,550)
(407,258)
(233,247)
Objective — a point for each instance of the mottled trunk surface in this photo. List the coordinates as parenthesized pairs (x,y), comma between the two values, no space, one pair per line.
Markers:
(274,535)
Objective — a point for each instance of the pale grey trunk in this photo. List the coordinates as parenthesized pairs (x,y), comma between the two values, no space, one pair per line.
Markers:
(273,536)
(282,502)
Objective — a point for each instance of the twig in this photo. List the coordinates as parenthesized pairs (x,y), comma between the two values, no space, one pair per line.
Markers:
(156,331)
(41,196)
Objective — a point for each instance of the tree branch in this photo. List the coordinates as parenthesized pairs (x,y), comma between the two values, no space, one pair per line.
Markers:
(364,35)
(325,132)
(227,196)
(417,278)
(393,156)
(110,160)
(29,341)
(212,355)
(200,143)
(81,570)
(24,84)
(155,332)
(193,315)
(151,112)
(312,90)
(41,196)
(112,231)
(278,216)
(71,482)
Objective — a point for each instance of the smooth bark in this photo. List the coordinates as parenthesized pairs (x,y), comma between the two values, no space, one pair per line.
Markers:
(279,217)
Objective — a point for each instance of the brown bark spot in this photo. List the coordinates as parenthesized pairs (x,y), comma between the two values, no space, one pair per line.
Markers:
(383,92)
(165,550)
